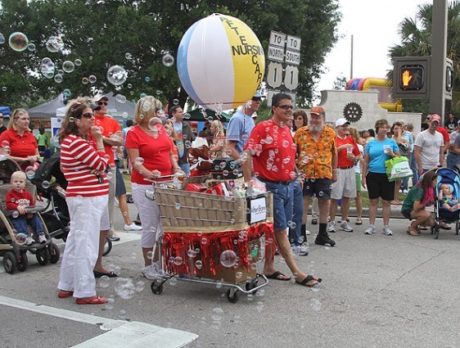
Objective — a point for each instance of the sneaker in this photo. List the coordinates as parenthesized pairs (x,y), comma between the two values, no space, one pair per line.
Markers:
(323,239)
(346,226)
(30,240)
(152,272)
(114,238)
(304,249)
(331,227)
(387,231)
(132,227)
(42,239)
(307,232)
(370,230)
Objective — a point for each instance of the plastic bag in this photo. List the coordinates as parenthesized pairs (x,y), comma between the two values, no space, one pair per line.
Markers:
(398,168)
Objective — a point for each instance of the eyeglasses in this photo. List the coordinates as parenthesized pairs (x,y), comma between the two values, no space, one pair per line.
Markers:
(102,103)
(286,107)
(87,115)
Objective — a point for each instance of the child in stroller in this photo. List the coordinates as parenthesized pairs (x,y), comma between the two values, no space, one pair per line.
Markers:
(447,198)
(18,200)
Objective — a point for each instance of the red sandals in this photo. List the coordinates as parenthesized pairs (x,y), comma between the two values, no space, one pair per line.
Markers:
(64,293)
(91,300)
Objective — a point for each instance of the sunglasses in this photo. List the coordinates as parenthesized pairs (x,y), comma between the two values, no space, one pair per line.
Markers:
(88,115)
(286,107)
(102,103)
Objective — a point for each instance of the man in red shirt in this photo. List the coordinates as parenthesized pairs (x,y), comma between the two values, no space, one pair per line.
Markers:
(344,187)
(271,157)
(112,137)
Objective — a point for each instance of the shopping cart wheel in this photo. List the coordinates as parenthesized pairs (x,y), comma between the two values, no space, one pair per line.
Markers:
(107,247)
(232,295)
(252,284)
(157,288)
(9,262)
(22,262)
(43,256)
(55,253)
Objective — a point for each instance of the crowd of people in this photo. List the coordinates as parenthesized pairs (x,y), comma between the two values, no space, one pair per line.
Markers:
(299,157)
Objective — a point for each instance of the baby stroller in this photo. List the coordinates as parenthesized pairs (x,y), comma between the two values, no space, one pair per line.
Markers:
(12,248)
(56,214)
(451,178)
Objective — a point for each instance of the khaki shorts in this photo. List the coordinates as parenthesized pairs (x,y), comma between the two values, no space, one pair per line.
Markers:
(345,185)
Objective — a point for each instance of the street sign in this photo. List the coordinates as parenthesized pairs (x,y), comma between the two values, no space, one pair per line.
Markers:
(275,54)
(277,39)
(291,77)
(292,57)
(275,74)
(293,43)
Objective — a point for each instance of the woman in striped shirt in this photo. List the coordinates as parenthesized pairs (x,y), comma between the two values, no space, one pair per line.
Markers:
(83,163)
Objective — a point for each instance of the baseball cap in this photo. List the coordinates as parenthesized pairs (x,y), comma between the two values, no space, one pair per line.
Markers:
(99,97)
(317,110)
(341,122)
(257,96)
(435,118)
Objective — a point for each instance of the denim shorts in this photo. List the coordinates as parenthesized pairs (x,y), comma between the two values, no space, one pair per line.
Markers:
(283,202)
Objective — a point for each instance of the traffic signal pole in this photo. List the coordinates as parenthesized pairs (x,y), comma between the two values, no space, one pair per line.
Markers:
(438,58)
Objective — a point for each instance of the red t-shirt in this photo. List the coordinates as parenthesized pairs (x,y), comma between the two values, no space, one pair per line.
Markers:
(445,135)
(155,151)
(20,146)
(109,127)
(16,198)
(273,151)
(342,159)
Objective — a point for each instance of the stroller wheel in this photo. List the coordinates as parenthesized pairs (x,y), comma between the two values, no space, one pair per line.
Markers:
(9,262)
(107,246)
(54,252)
(156,287)
(23,262)
(43,256)
(232,295)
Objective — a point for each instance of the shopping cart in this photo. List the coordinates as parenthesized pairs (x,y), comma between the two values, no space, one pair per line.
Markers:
(212,239)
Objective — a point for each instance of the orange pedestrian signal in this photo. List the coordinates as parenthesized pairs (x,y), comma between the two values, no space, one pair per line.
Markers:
(412,77)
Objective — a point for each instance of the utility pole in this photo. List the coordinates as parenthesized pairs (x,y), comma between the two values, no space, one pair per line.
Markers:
(351,58)
(438,58)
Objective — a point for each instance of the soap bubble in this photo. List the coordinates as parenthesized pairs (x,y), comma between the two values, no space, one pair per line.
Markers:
(18,41)
(198,264)
(84,80)
(67,93)
(120,98)
(117,75)
(128,55)
(31,47)
(104,282)
(68,66)
(15,214)
(124,288)
(30,172)
(178,261)
(92,79)
(58,78)
(21,238)
(47,67)
(228,258)
(2,39)
(139,161)
(54,44)
(77,62)
(168,60)
(46,184)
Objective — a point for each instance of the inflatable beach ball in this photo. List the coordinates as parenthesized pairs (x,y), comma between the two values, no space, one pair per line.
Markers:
(220,62)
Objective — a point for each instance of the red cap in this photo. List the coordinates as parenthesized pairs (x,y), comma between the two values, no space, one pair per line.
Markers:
(318,110)
(435,118)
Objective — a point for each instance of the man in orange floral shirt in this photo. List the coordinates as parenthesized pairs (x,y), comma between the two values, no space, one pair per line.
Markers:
(317,160)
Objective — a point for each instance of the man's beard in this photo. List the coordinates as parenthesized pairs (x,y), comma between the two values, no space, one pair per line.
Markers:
(315,128)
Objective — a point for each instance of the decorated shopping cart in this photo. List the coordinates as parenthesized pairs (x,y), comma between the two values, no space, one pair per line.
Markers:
(213,239)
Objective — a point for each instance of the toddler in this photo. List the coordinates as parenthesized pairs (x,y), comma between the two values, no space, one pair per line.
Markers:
(18,199)
(449,201)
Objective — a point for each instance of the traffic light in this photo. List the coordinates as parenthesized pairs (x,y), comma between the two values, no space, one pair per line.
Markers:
(449,79)
(411,77)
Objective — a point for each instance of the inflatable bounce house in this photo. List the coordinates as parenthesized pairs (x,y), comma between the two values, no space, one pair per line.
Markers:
(382,85)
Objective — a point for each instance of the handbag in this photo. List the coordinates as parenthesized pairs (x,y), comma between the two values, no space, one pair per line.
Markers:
(398,168)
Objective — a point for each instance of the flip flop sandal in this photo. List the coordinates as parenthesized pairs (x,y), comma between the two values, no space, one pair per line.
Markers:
(91,300)
(64,294)
(110,274)
(359,222)
(308,279)
(278,276)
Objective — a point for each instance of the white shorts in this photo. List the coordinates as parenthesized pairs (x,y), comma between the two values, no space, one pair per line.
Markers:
(345,186)
(107,216)
(149,213)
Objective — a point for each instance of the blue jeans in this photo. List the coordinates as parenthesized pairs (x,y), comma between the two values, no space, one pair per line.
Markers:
(295,233)
(185,168)
(21,224)
(413,166)
(283,203)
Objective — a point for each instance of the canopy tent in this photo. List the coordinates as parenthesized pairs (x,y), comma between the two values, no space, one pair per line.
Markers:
(48,109)
(198,115)
(5,110)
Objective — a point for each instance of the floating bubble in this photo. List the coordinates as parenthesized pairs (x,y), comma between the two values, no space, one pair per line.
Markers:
(124,288)
(191,253)
(92,79)
(54,44)
(46,184)
(104,282)
(217,314)
(108,306)
(139,161)
(15,214)
(21,238)
(129,85)
(178,261)
(139,286)
(4,89)
(228,258)
(18,41)
(117,75)
(260,306)
(124,114)
(84,80)
(2,39)
(47,67)
(31,47)
(175,101)
(198,264)
(204,241)
(158,92)
(30,172)
(77,62)
(120,98)
(67,93)
(68,66)
(58,78)
(168,60)
(128,55)
(173,281)
(5,143)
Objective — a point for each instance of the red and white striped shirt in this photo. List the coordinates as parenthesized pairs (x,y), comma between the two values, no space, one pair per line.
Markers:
(78,160)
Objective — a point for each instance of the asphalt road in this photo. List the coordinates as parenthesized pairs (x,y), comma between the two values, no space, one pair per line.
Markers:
(377,291)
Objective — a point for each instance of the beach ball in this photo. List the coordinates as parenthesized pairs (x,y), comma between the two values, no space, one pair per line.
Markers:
(220,62)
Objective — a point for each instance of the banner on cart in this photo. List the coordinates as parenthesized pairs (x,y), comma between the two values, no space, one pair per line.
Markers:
(257,210)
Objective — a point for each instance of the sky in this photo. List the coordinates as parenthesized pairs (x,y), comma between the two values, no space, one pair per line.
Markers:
(374,25)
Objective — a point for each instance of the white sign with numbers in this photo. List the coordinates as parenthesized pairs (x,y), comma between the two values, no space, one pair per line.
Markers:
(275,74)
(291,77)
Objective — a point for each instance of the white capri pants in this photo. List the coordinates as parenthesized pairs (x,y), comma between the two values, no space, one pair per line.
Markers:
(345,185)
(82,245)
(107,216)
(149,213)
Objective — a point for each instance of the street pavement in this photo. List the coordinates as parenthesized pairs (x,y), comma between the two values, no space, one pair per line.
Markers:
(377,291)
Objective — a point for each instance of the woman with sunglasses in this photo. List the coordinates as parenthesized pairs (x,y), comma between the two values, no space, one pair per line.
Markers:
(18,141)
(83,163)
(153,155)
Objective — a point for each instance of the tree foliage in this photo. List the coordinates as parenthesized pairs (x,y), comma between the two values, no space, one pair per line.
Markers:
(136,35)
